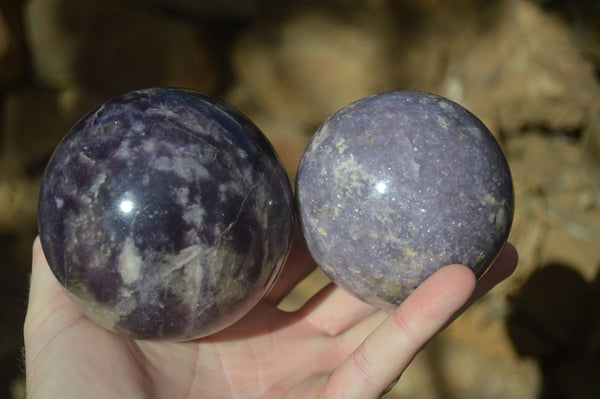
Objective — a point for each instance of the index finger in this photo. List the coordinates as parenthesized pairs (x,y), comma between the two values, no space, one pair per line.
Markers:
(388,350)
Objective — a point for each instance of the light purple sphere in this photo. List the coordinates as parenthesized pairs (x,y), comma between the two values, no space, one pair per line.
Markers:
(395,186)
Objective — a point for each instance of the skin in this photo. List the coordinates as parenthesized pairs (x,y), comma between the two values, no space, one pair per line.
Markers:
(335,346)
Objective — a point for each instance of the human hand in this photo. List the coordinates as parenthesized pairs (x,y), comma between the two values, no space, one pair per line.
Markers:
(335,346)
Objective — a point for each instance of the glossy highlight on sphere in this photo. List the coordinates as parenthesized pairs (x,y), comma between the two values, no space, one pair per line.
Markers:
(165,214)
(395,186)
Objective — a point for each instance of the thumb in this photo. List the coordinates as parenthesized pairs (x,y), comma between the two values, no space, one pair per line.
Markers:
(49,308)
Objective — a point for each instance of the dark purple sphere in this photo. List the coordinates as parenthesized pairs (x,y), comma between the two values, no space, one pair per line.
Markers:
(165,214)
(395,186)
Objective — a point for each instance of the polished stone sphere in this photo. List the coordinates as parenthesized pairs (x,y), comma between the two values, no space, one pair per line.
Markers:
(165,214)
(395,186)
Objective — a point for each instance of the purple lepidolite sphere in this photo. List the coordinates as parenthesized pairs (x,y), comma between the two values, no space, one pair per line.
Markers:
(165,214)
(395,186)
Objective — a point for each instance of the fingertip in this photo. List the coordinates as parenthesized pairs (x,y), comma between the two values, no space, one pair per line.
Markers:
(461,272)
(510,257)
(504,265)
(453,281)
(43,283)
(37,246)
(444,293)
(38,258)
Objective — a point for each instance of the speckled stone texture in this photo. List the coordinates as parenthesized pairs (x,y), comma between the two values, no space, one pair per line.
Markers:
(165,214)
(395,186)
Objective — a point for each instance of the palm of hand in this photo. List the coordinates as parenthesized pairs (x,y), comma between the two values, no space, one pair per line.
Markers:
(317,351)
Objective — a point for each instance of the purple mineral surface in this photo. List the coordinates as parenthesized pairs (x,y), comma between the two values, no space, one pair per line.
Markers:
(395,186)
(165,214)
